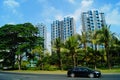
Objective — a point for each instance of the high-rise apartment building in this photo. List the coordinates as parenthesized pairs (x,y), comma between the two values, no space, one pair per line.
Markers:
(56,29)
(42,33)
(62,29)
(68,28)
(92,20)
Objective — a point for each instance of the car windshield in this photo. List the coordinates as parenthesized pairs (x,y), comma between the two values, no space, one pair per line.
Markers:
(84,68)
(89,69)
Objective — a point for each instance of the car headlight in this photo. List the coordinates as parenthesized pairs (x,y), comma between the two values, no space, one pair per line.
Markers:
(97,72)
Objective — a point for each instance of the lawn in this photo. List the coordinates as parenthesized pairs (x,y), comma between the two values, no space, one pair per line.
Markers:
(60,72)
(38,71)
(110,70)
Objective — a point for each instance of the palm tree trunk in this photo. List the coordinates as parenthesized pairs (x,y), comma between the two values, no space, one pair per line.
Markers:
(76,60)
(19,62)
(108,59)
(59,59)
(19,66)
(60,63)
(67,60)
(85,50)
(95,66)
(73,59)
(108,56)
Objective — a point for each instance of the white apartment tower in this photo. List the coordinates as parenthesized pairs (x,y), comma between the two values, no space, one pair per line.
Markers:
(42,33)
(62,29)
(92,20)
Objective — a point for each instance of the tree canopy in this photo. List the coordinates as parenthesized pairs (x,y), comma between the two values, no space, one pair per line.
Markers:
(17,39)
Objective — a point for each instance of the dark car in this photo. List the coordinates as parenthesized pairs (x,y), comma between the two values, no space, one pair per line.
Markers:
(83,72)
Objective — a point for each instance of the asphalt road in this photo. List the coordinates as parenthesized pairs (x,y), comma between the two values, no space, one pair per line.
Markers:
(22,76)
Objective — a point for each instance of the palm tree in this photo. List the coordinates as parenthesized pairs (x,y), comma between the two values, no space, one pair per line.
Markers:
(94,40)
(83,39)
(106,38)
(114,49)
(72,46)
(38,50)
(57,45)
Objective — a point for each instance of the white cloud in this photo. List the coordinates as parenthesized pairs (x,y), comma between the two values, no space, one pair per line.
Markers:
(11,3)
(42,1)
(113,17)
(71,1)
(84,5)
(59,17)
(23,1)
(112,14)
(118,4)
(11,23)
(55,14)
(106,8)
(52,13)
(12,13)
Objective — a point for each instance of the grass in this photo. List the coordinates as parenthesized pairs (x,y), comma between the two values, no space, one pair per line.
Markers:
(110,71)
(38,71)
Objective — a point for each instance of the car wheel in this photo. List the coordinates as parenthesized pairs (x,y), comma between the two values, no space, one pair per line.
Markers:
(72,75)
(91,75)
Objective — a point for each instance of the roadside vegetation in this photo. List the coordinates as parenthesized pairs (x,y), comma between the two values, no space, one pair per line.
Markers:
(22,49)
(103,71)
(110,71)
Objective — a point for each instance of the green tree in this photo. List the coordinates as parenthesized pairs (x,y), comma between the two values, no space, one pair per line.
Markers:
(72,46)
(84,40)
(94,40)
(106,39)
(38,51)
(26,39)
(8,41)
(17,39)
(57,45)
(19,53)
(114,50)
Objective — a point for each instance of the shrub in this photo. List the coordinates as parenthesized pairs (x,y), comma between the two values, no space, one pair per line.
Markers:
(50,67)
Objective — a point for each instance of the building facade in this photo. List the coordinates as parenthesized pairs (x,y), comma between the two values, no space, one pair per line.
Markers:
(68,28)
(92,20)
(56,30)
(42,33)
(62,29)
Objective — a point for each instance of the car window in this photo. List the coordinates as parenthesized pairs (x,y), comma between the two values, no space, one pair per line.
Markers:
(75,69)
(84,69)
(80,69)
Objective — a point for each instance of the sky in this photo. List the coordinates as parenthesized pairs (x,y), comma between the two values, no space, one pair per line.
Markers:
(47,11)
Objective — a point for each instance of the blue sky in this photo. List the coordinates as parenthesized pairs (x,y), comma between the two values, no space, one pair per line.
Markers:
(46,11)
